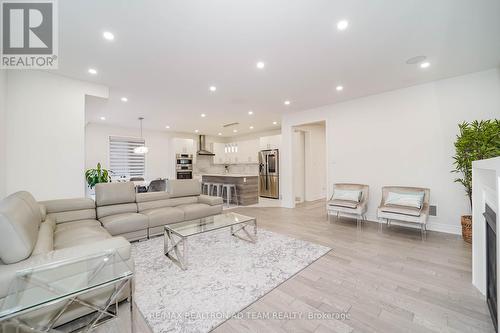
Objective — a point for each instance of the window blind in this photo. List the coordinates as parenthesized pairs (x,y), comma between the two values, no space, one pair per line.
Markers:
(122,159)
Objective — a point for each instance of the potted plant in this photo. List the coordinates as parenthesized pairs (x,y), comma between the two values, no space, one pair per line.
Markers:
(476,141)
(97,175)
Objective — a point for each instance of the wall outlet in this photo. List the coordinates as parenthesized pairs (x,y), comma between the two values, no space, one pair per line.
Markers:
(244,180)
(432,210)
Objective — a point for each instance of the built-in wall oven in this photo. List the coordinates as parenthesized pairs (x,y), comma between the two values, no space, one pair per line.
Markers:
(184,166)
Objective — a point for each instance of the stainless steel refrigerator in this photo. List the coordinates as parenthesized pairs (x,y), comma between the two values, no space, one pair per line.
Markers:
(269,179)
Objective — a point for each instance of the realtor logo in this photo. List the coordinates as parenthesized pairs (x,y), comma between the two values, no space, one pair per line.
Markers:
(29,34)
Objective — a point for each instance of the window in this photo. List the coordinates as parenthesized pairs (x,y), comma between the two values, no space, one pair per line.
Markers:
(122,159)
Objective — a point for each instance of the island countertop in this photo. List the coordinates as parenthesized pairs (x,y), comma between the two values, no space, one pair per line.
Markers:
(238,175)
(247,186)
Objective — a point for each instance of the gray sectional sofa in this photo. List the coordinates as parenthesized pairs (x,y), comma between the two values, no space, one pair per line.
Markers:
(137,216)
(35,233)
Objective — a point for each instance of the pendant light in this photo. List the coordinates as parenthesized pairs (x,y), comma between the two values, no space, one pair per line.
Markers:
(142,149)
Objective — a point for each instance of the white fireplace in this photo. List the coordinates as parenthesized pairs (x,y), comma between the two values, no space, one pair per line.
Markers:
(485,191)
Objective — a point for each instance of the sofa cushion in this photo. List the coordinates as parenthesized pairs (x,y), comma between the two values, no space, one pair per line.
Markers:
(166,215)
(123,223)
(80,223)
(43,212)
(104,211)
(346,195)
(397,209)
(20,219)
(199,210)
(78,233)
(184,187)
(210,200)
(343,203)
(151,196)
(114,193)
(45,242)
(173,202)
(409,199)
(73,215)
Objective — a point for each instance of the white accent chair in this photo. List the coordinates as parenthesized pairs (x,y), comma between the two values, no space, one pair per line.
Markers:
(348,207)
(405,213)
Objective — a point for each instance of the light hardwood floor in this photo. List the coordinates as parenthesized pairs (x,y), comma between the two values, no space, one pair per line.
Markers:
(389,281)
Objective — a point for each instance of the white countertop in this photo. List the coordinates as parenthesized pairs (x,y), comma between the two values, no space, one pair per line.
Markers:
(237,175)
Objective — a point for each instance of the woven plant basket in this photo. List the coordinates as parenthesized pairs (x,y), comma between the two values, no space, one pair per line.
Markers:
(467,228)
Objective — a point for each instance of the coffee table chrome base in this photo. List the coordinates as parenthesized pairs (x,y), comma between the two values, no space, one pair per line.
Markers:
(175,246)
(243,227)
(172,248)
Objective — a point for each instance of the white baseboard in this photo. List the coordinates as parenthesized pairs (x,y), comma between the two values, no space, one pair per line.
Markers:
(440,227)
(449,229)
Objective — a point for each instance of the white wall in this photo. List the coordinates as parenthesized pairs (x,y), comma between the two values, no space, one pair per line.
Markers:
(3,111)
(45,123)
(402,137)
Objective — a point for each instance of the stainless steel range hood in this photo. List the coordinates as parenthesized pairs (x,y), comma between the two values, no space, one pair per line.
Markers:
(202,149)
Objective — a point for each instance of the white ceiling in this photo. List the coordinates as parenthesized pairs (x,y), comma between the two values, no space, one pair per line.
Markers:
(167,53)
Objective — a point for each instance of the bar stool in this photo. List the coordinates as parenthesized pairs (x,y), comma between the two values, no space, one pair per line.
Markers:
(217,189)
(228,189)
(205,188)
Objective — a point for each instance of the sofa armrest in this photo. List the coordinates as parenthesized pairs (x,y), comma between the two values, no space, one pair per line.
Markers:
(209,200)
(8,272)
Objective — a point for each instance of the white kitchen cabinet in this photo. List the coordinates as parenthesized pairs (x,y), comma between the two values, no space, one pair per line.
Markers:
(220,155)
(239,152)
(270,142)
(248,151)
(184,146)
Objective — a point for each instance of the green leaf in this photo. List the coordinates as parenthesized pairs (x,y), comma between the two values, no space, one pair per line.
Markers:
(476,141)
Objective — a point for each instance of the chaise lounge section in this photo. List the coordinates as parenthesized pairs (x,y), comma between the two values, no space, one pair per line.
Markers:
(39,233)
(182,202)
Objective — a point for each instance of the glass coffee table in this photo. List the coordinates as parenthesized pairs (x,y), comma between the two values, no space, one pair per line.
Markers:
(176,234)
(52,289)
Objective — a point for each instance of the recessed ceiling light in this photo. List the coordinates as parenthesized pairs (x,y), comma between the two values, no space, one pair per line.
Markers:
(108,35)
(212,88)
(286,102)
(124,99)
(203,115)
(167,127)
(425,64)
(235,131)
(219,133)
(92,71)
(342,25)
(339,88)
(196,131)
(275,123)
(250,112)
(260,65)
(251,127)
(103,118)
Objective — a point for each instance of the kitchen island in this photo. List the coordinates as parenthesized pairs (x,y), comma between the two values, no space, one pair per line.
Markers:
(247,186)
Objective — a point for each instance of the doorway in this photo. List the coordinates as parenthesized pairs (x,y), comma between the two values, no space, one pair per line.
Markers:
(309,162)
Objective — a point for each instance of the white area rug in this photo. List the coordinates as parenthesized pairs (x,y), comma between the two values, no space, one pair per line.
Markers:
(224,276)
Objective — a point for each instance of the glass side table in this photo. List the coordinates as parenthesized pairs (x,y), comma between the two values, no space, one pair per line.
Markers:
(59,285)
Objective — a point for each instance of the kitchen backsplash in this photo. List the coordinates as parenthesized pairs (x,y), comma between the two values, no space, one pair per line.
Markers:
(204,164)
